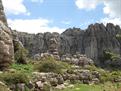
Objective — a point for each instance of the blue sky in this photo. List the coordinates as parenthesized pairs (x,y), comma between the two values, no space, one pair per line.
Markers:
(35,16)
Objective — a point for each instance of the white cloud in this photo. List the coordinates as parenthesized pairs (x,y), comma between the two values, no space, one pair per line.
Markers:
(116,21)
(33,25)
(112,8)
(87,4)
(15,7)
(36,1)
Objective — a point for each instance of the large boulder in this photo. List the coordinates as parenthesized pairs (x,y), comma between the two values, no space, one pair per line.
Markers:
(6,46)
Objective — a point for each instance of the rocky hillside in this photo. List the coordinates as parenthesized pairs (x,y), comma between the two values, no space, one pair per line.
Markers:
(93,41)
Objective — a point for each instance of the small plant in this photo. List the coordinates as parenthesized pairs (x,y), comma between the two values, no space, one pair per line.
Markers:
(110,56)
(115,75)
(51,65)
(14,78)
(25,68)
(118,36)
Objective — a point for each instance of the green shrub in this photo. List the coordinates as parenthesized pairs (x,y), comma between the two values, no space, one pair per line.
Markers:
(110,76)
(20,52)
(118,36)
(110,56)
(25,68)
(51,65)
(46,87)
(20,56)
(14,78)
(115,75)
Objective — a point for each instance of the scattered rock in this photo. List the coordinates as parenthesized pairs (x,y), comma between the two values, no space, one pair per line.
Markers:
(39,85)
(20,86)
(53,81)
(62,86)
(95,81)
(4,87)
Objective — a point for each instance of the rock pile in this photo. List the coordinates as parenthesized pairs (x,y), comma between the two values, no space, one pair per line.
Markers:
(61,81)
(53,47)
(77,59)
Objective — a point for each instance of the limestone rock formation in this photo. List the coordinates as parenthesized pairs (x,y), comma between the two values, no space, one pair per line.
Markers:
(6,44)
(98,38)
(2,14)
(92,42)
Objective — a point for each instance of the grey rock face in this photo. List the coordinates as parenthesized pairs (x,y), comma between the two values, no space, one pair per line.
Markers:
(6,44)
(98,38)
(72,41)
(91,42)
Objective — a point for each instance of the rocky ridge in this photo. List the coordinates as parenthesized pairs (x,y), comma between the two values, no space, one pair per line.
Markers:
(92,42)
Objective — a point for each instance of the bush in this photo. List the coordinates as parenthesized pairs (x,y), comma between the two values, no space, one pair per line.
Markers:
(20,52)
(115,75)
(51,65)
(20,56)
(46,87)
(105,77)
(110,56)
(118,36)
(14,78)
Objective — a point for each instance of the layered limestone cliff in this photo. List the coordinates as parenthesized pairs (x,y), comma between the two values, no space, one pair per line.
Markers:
(93,41)
(6,44)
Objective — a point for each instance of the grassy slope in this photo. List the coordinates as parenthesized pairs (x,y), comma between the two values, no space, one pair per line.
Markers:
(101,87)
(78,87)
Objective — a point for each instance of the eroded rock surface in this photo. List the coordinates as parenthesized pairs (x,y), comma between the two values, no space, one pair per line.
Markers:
(6,44)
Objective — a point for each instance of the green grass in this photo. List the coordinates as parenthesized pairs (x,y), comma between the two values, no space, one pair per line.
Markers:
(25,68)
(102,87)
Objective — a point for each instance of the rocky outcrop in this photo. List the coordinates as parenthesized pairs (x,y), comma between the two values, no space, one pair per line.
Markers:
(6,44)
(92,42)
(98,38)
(2,14)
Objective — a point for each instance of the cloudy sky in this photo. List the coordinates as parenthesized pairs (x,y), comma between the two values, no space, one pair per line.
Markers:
(35,16)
